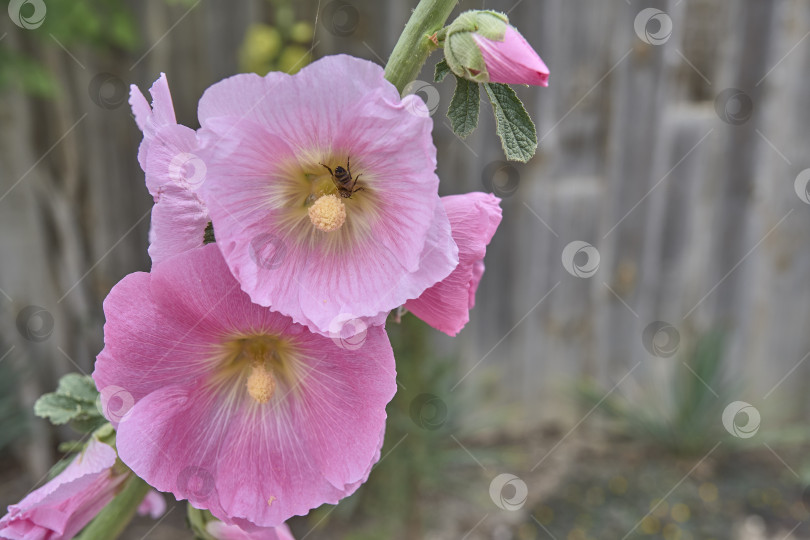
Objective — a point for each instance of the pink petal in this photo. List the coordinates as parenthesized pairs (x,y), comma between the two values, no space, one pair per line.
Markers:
(150,119)
(173,173)
(327,87)
(162,106)
(474,217)
(173,338)
(172,159)
(140,107)
(513,60)
(179,219)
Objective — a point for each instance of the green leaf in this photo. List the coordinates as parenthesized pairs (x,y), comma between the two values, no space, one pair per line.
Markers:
(74,401)
(464,107)
(58,409)
(78,387)
(441,71)
(514,126)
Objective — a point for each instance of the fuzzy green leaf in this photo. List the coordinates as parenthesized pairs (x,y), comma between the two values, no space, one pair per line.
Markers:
(441,71)
(58,409)
(78,387)
(464,107)
(74,401)
(514,126)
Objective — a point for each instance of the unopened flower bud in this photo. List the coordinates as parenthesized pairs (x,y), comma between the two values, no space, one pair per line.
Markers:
(483,47)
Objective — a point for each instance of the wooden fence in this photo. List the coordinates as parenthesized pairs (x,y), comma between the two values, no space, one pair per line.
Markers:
(672,137)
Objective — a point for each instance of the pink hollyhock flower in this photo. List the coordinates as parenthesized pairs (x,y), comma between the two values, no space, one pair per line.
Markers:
(173,173)
(64,505)
(512,60)
(153,505)
(232,406)
(322,191)
(446,306)
(223,531)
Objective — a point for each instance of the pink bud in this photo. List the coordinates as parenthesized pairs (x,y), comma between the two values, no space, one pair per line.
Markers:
(64,505)
(512,60)
(153,505)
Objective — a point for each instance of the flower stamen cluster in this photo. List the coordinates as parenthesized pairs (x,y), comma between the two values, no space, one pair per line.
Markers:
(327,213)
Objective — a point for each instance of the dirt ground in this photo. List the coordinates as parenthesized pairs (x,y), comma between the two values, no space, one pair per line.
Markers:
(579,486)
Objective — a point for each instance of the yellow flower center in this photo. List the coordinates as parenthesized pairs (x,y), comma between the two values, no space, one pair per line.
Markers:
(257,365)
(260,384)
(328,213)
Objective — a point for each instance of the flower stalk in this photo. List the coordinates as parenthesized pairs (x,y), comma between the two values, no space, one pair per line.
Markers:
(111,521)
(415,44)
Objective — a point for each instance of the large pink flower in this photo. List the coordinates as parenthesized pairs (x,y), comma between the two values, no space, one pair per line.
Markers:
(293,239)
(63,506)
(512,60)
(173,172)
(446,306)
(231,405)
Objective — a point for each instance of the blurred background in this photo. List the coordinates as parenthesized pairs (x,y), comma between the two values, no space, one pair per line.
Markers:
(635,366)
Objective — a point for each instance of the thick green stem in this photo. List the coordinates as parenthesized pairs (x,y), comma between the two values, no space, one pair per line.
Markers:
(414,45)
(114,518)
